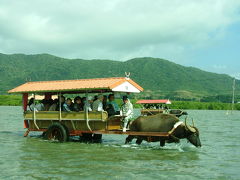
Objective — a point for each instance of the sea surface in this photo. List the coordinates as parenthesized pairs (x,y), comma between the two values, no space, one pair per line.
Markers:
(34,158)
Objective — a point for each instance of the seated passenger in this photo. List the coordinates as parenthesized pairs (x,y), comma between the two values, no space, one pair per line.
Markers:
(112,104)
(88,104)
(83,101)
(54,105)
(40,106)
(30,105)
(62,101)
(77,104)
(104,102)
(98,105)
(47,104)
(68,105)
(95,98)
(110,110)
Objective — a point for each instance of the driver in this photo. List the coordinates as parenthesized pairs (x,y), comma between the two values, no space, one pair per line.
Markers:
(127,111)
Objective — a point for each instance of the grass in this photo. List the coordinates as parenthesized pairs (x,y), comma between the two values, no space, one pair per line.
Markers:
(10,100)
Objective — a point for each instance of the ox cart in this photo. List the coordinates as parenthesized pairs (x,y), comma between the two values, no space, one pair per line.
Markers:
(156,106)
(59,125)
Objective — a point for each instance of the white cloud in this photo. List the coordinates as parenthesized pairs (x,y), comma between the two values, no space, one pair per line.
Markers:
(219,67)
(236,75)
(113,29)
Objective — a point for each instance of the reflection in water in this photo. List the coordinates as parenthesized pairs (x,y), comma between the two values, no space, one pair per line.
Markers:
(35,158)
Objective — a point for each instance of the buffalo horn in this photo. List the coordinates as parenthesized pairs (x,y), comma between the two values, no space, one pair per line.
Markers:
(193,122)
(189,127)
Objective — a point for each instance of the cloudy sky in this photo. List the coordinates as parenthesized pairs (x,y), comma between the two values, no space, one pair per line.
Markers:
(204,34)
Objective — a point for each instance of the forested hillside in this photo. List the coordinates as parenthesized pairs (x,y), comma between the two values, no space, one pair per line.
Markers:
(154,75)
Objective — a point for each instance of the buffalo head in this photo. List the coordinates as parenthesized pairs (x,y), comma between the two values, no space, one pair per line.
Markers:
(192,134)
(184,113)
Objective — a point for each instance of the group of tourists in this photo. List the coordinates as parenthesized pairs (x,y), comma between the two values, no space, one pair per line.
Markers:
(155,106)
(98,103)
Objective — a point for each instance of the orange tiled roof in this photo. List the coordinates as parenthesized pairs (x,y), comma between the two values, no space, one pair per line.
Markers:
(153,101)
(73,85)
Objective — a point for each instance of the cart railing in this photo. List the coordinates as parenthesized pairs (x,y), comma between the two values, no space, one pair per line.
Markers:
(54,115)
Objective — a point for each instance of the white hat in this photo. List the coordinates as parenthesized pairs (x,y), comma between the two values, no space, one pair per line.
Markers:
(89,98)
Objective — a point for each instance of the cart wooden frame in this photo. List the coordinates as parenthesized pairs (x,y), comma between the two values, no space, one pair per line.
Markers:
(77,123)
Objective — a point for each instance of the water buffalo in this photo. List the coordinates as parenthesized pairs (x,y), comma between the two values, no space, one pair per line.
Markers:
(164,123)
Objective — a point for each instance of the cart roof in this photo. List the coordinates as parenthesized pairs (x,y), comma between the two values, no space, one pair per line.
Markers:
(154,101)
(115,84)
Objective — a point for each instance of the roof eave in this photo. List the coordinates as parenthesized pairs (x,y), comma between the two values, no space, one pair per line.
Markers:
(64,90)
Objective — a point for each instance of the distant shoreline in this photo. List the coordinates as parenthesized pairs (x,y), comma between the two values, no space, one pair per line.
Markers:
(16,100)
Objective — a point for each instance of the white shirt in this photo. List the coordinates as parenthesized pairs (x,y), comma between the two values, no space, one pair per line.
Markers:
(38,107)
(97,105)
(127,109)
(87,106)
(30,108)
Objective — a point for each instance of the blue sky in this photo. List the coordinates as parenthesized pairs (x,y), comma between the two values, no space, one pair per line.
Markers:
(203,34)
(223,56)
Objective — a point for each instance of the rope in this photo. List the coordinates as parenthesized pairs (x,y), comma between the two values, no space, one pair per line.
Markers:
(175,127)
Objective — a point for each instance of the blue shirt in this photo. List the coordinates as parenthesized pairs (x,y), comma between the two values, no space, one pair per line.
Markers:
(66,108)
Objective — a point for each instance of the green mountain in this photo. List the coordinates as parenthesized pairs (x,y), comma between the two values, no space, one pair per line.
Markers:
(154,75)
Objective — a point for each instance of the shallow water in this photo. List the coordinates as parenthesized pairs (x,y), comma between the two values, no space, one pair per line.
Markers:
(34,158)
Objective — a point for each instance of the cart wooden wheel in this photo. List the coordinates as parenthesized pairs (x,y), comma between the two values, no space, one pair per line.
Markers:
(57,132)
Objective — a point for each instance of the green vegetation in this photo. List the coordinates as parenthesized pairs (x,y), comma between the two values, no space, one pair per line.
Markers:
(203,105)
(16,100)
(160,78)
(197,105)
(10,100)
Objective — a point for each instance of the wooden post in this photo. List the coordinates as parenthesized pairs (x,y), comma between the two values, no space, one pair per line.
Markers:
(25,101)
